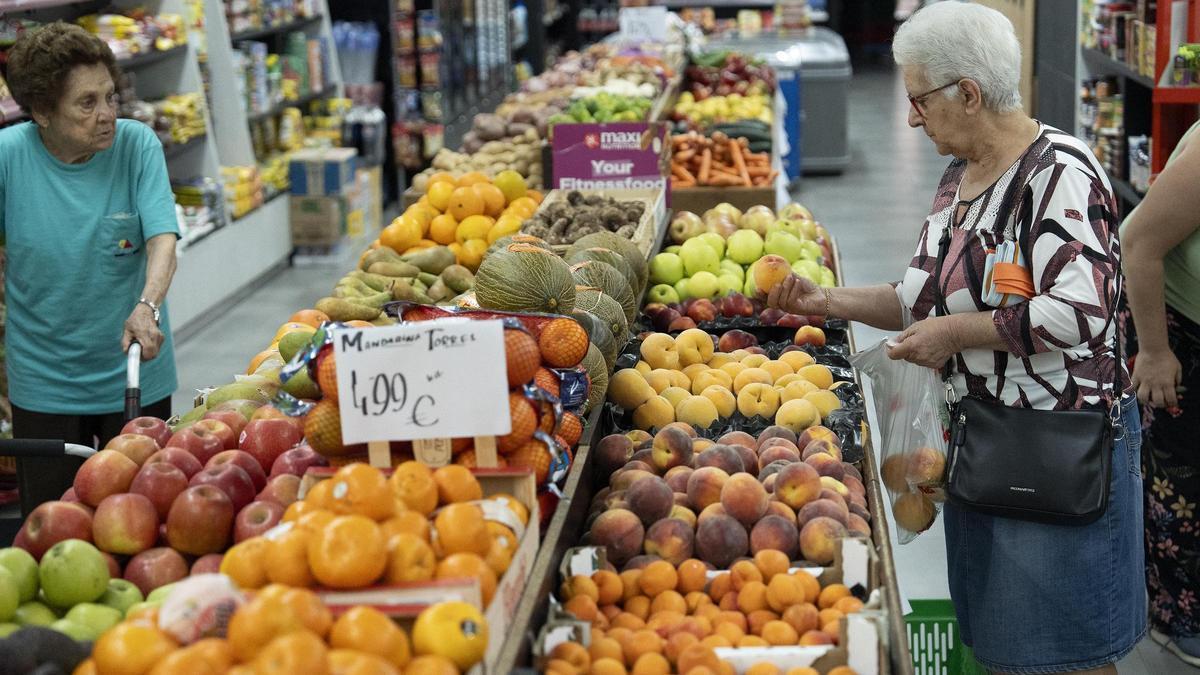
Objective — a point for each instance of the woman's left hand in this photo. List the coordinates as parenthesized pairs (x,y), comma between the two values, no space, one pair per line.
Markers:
(140,326)
(928,343)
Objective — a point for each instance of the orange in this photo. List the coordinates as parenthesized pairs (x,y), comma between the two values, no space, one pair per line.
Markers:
(442,176)
(315,521)
(472,178)
(327,374)
(363,490)
(292,327)
(469,566)
(431,664)
(439,195)
(131,649)
(323,428)
(535,196)
(454,630)
(570,428)
(358,323)
(456,484)
(473,227)
(460,529)
(259,358)
(533,455)
(413,483)
(410,558)
(521,511)
(525,206)
(88,667)
(351,662)
(321,495)
(406,522)
(146,614)
(368,630)
(493,198)
(423,214)
(245,563)
(504,226)
(442,228)
(471,253)
(563,343)
(511,184)
(401,234)
(206,657)
(464,202)
(348,553)
(303,604)
(295,653)
(503,548)
(420,245)
(831,594)
(312,317)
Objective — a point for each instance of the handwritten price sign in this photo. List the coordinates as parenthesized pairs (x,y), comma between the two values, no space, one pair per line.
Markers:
(434,379)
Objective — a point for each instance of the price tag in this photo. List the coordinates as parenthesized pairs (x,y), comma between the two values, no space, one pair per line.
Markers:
(644,24)
(433,379)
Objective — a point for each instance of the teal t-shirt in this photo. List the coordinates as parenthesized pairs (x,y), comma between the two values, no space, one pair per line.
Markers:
(76,264)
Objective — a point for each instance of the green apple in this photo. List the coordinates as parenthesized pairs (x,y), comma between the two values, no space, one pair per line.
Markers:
(664,293)
(159,594)
(716,241)
(811,250)
(10,594)
(139,606)
(35,614)
(24,569)
(750,290)
(71,572)
(807,269)
(827,278)
(808,228)
(733,269)
(744,247)
(729,284)
(674,248)
(75,631)
(96,618)
(7,629)
(789,226)
(681,289)
(120,595)
(704,285)
(698,256)
(666,268)
(785,245)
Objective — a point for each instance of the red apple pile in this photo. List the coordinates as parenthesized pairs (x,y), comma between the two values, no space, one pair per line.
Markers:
(673,496)
(696,312)
(162,505)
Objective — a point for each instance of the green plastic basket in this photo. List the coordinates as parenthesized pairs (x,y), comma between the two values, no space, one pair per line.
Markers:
(933,639)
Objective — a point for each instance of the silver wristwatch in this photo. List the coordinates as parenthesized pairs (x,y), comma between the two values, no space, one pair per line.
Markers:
(153,308)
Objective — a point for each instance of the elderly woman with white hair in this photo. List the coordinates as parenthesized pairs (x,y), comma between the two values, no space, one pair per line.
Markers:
(1030,596)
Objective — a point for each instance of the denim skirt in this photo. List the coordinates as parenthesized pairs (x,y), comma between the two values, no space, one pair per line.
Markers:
(1037,598)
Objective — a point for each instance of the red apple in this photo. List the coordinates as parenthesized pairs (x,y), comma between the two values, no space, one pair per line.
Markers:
(179,458)
(270,412)
(256,518)
(137,447)
(242,459)
(114,567)
(125,524)
(734,340)
(665,318)
(809,335)
(702,310)
(69,496)
(229,438)
(230,479)
(52,522)
(267,439)
(296,461)
(736,304)
(791,321)
(207,564)
(201,443)
(149,426)
(282,489)
(157,567)
(201,520)
(161,483)
(233,419)
(105,473)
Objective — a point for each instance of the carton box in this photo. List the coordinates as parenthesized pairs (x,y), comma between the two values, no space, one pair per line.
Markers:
(700,199)
(323,221)
(370,182)
(321,171)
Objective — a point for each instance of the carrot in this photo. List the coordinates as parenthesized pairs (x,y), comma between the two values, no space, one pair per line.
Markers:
(685,155)
(739,162)
(684,174)
(705,165)
(757,170)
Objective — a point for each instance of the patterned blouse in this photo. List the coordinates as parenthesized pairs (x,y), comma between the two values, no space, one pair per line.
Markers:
(1056,202)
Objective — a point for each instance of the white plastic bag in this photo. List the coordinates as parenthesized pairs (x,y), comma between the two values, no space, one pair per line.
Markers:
(910,406)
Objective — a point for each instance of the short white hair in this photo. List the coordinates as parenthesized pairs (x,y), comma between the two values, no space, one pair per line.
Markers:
(949,40)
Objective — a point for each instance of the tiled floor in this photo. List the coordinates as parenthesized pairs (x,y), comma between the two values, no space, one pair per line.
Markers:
(875,209)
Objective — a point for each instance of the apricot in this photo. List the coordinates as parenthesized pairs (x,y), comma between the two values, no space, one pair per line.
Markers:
(848,605)
(583,607)
(658,577)
(731,632)
(752,641)
(573,654)
(764,668)
(758,619)
(677,643)
(581,585)
(771,562)
(802,617)
(812,587)
(609,589)
(638,606)
(651,663)
(695,600)
(802,671)
(752,597)
(693,576)
(629,584)
(831,594)
(642,642)
(668,601)
(815,638)
(608,666)
(783,592)
(720,585)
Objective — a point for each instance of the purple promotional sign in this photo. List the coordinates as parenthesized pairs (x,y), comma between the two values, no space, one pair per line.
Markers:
(623,155)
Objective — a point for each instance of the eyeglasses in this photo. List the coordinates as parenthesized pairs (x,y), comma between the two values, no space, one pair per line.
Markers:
(917,101)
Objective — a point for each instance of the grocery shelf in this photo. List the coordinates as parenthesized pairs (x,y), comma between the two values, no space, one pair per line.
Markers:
(26,5)
(148,58)
(268,31)
(254,210)
(298,103)
(176,149)
(1100,63)
(1126,191)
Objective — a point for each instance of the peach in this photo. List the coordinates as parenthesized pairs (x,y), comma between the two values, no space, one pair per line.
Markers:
(824,401)
(675,395)
(776,431)
(818,538)
(822,446)
(718,359)
(720,540)
(822,508)
(758,400)
(777,369)
(851,470)
(738,438)
(835,485)
(659,350)
(734,340)
(693,346)
(775,533)
(685,428)
(809,335)
(833,496)
(817,374)
(710,511)
(683,378)
(651,499)
(857,525)
(672,447)
(797,359)
(770,471)
(768,483)
(655,413)
(754,358)
(894,472)
(770,271)
(744,498)
(796,390)
(642,367)
(639,563)
(660,379)
(612,452)
(639,463)
(734,368)
(711,378)
(723,457)
(698,411)
(777,453)
(679,512)
(705,485)
(778,508)
(914,512)
(925,465)
(798,484)
(638,437)
(622,480)
(861,512)
(749,457)
(853,484)
(750,376)
(826,465)
(817,432)
(815,638)
(681,499)
(670,539)
(677,478)
(628,389)
(700,445)
(620,532)
(778,442)
(797,414)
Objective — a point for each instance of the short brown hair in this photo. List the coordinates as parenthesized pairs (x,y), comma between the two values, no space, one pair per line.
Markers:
(41,61)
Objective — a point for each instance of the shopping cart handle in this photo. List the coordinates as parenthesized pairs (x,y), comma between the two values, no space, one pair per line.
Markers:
(133,387)
(27,447)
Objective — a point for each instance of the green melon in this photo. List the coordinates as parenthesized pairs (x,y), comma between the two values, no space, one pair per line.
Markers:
(608,279)
(606,255)
(595,301)
(597,370)
(518,238)
(525,278)
(632,254)
(598,333)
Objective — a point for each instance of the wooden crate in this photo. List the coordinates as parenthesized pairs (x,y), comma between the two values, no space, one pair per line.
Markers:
(646,234)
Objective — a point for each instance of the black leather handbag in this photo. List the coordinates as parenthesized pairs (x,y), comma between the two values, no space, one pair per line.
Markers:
(1038,465)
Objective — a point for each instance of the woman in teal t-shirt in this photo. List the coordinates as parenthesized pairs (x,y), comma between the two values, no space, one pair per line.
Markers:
(88,218)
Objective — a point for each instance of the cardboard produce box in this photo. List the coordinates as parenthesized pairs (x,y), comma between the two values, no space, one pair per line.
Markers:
(323,221)
(319,172)
(700,199)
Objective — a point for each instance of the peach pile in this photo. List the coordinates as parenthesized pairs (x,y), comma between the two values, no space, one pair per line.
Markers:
(674,496)
(686,379)
(914,480)
(666,618)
